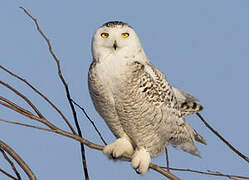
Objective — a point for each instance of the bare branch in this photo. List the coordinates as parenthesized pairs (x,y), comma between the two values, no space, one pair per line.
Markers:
(7,174)
(43,96)
(14,106)
(229,177)
(221,138)
(67,91)
(24,97)
(61,132)
(167,158)
(163,172)
(208,173)
(11,163)
(18,159)
(91,121)
(26,125)
(25,112)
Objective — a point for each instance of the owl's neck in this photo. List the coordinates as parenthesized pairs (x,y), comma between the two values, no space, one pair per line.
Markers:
(124,54)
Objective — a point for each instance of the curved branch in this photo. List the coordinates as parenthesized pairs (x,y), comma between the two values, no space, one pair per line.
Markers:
(43,96)
(225,141)
(24,98)
(11,163)
(208,173)
(66,89)
(18,159)
(25,112)
(26,125)
(167,158)
(7,174)
(9,104)
(91,121)
(163,172)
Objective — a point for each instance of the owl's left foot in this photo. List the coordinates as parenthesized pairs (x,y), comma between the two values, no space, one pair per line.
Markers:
(141,160)
(121,146)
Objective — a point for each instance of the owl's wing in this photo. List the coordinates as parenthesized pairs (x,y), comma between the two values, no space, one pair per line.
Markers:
(162,91)
(186,102)
(183,96)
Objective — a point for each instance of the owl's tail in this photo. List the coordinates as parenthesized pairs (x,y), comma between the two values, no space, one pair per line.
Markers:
(184,138)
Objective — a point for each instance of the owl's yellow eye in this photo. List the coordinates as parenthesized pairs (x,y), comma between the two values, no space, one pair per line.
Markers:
(104,35)
(125,35)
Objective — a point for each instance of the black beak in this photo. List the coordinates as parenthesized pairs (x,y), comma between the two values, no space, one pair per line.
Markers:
(115,45)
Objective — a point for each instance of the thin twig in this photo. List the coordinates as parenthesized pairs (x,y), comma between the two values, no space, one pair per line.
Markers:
(12,164)
(18,159)
(162,171)
(23,97)
(43,96)
(25,112)
(61,132)
(7,174)
(167,158)
(66,88)
(27,125)
(225,141)
(217,172)
(208,173)
(91,121)
(10,103)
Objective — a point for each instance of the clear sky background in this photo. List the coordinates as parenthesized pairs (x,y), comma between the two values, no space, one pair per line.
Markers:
(201,45)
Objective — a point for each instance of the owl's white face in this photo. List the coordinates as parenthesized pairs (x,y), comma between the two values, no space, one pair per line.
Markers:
(115,38)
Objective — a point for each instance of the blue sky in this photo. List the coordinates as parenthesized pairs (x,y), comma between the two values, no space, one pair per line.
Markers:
(201,46)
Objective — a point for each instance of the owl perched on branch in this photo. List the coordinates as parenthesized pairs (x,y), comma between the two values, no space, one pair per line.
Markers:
(141,108)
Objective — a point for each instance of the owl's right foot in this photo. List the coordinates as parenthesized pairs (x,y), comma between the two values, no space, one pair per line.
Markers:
(141,160)
(120,147)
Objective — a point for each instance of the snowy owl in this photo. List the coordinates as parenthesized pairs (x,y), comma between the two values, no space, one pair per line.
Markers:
(140,107)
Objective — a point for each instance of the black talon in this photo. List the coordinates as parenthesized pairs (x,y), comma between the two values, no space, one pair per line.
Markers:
(113,157)
(137,171)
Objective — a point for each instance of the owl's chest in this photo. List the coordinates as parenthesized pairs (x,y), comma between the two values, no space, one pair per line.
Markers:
(111,73)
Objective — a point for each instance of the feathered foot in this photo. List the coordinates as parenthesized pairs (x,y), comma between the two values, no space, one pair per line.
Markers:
(120,147)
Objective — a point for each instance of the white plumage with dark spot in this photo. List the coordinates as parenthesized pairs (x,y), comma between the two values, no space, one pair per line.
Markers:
(140,107)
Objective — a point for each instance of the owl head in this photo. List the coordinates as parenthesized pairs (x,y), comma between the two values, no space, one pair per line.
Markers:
(115,38)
